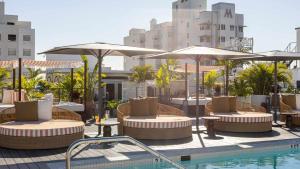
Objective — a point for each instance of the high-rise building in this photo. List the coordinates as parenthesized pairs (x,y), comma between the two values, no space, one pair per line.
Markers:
(298,39)
(17,38)
(191,25)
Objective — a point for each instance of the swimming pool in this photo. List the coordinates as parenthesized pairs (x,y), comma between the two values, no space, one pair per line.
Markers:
(272,158)
(276,159)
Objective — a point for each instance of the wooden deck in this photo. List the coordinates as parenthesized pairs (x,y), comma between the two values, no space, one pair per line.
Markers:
(94,154)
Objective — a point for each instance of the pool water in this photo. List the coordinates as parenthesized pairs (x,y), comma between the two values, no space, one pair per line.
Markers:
(283,159)
(274,159)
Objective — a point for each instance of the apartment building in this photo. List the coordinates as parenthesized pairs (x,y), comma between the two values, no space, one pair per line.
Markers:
(17,38)
(298,39)
(192,24)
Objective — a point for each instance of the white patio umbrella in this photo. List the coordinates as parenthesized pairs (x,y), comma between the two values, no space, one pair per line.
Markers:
(100,50)
(198,53)
(275,56)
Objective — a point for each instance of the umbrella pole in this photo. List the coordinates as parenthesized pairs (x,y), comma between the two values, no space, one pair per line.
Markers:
(186,83)
(185,102)
(72,84)
(100,94)
(197,93)
(275,92)
(14,79)
(85,89)
(203,76)
(20,78)
(227,79)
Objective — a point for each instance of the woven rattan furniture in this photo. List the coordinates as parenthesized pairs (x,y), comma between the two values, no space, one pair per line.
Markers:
(168,123)
(65,128)
(246,118)
(288,106)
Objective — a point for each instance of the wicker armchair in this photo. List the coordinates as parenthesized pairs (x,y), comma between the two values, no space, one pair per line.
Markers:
(247,118)
(7,115)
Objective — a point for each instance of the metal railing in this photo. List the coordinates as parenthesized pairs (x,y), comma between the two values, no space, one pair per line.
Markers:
(116,139)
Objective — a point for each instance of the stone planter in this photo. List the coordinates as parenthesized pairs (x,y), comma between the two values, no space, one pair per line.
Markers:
(258,99)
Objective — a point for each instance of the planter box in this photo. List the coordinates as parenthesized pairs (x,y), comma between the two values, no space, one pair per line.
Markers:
(258,99)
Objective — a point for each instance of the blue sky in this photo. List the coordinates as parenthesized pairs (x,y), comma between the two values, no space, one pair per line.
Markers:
(61,22)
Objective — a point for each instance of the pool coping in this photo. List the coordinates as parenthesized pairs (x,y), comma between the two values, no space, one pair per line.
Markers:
(198,153)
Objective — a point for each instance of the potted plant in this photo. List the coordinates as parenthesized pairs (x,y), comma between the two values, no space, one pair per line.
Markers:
(112,107)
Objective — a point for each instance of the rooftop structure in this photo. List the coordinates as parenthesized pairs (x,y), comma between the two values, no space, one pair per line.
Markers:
(17,38)
(191,25)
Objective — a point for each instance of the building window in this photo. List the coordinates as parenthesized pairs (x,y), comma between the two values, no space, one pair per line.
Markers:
(241,29)
(26,38)
(231,38)
(223,27)
(10,23)
(12,52)
(187,35)
(231,27)
(0,36)
(218,27)
(187,24)
(12,37)
(223,39)
(26,52)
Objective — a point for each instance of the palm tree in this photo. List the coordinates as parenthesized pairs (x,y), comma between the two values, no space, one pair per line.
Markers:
(140,74)
(4,74)
(210,80)
(165,74)
(260,77)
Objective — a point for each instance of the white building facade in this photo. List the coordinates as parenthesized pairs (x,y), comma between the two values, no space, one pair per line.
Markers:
(17,38)
(191,25)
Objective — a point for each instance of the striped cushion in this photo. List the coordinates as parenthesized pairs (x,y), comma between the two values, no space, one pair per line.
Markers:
(41,129)
(245,117)
(158,122)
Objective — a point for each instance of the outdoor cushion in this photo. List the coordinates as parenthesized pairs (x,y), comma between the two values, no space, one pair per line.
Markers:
(45,109)
(157,122)
(41,128)
(152,105)
(221,104)
(139,107)
(244,117)
(290,100)
(26,111)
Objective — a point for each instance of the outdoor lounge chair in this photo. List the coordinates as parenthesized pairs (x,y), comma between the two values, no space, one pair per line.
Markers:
(64,128)
(238,116)
(288,104)
(147,119)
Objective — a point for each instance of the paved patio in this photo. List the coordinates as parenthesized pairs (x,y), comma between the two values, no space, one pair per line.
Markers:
(55,159)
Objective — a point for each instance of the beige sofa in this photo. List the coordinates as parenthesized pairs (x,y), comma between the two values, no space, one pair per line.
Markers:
(147,119)
(237,116)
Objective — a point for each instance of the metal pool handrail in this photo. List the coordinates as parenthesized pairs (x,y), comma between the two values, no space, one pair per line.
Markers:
(116,139)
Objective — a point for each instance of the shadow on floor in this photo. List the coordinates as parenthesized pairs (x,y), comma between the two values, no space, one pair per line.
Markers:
(250,135)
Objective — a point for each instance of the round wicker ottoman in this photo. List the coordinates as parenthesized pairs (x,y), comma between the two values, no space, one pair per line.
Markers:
(40,134)
(244,122)
(158,128)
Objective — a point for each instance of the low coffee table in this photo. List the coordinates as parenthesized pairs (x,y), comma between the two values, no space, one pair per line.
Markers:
(211,126)
(289,119)
(107,127)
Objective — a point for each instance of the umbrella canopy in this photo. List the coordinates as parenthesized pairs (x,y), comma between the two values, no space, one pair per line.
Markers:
(198,53)
(101,50)
(275,55)
(192,68)
(194,52)
(7,64)
(52,64)
(105,48)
